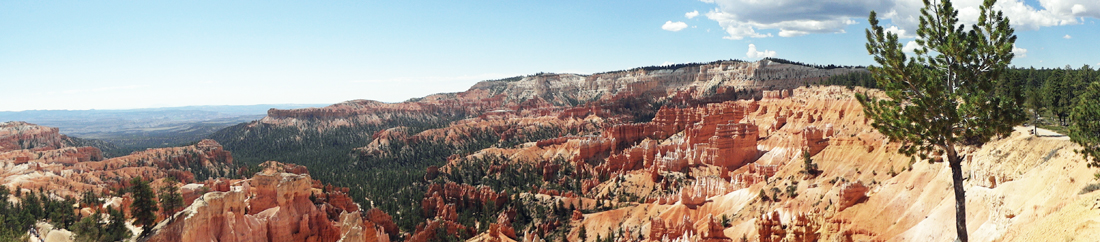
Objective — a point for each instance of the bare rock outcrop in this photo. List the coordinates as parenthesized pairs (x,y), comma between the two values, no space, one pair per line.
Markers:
(270,206)
(17,135)
(769,228)
(850,194)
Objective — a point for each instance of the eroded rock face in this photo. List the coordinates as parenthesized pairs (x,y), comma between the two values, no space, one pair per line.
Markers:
(440,196)
(661,230)
(851,193)
(813,140)
(44,159)
(804,228)
(431,231)
(270,206)
(562,95)
(377,216)
(769,228)
(17,135)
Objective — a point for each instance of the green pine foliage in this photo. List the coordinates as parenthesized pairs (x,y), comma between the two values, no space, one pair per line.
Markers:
(17,218)
(1049,95)
(947,95)
(102,227)
(144,207)
(1085,124)
(171,201)
(858,78)
(808,165)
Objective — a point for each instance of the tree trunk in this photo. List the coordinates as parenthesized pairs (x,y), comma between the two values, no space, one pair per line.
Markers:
(960,195)
(1035,125)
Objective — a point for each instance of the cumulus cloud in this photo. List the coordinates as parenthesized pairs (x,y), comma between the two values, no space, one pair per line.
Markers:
(667,63)
(1019,52)
(1075,8)
(692,14)
(902,33)
(789,18)
(1067,37)
(674,26)
(759,54)
(910,47)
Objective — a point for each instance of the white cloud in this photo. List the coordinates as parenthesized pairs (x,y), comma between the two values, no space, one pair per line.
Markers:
(667,63)
(692,14)
(674,26)
(1075,8)
(758,54)
(1020,52)
(789,18)
(902,33)
(1067,37)
(910,47)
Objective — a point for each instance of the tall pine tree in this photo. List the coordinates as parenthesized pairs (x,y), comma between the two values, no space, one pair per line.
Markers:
(1084,128)
(144,207)
(170,199)
(945,96)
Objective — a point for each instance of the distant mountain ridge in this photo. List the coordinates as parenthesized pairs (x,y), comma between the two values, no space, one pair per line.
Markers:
(137,129)
(223,109)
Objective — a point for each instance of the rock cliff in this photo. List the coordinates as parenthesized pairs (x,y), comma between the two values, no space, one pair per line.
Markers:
(44,159)
(270,206)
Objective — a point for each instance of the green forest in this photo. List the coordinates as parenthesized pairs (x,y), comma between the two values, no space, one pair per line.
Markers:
(108,224)
(1049,94)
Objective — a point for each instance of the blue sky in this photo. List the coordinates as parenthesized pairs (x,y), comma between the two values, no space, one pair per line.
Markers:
(127,54)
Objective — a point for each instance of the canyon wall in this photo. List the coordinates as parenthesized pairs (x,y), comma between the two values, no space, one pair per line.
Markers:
(270,206)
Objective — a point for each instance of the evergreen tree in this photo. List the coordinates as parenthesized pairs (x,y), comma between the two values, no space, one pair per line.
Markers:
(583,234)
(31,205)
(116,229)
(808,166)
(89,229)
(170,199)
(1085,124)
(945,96)
(144,207)
(1058,95)
(1033,102)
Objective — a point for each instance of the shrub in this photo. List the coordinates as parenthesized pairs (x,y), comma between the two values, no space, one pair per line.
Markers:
(1090,188)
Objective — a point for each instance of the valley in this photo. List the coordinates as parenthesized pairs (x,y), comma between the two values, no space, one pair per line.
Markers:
(722,151)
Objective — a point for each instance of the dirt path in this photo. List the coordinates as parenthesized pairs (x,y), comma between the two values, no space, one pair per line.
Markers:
(1046,133)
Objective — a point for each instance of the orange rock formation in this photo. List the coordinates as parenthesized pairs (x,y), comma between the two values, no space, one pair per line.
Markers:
(270,206)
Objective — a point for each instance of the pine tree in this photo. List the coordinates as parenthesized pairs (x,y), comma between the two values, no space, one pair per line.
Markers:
(1034,103)
(144,207)
(88,229)
(808,166)
(1084,126)
(116,229)
(583,234)
(170,199)
(945,96)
